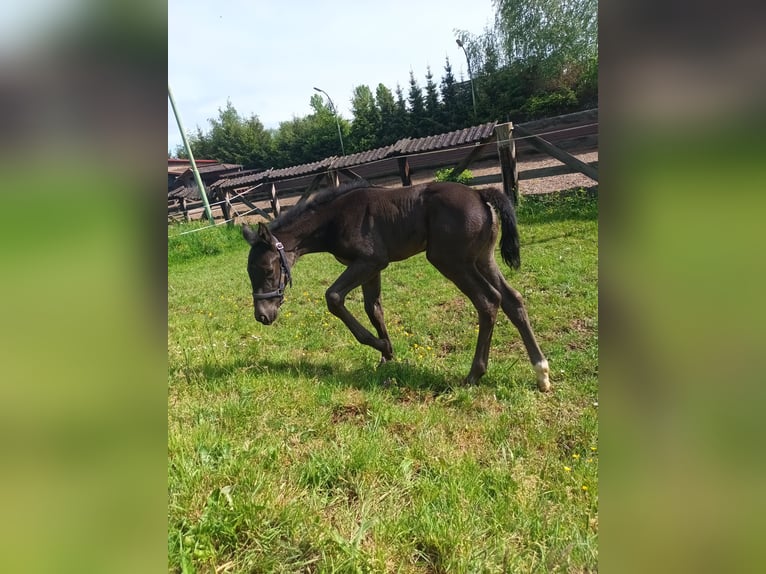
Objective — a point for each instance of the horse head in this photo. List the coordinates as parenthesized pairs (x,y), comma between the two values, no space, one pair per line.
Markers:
(269,272)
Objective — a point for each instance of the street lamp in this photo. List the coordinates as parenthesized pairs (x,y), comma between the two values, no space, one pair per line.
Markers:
(337,122)
(470,74)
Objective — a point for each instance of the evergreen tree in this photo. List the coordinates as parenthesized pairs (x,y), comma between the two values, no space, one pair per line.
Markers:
(417,109)
(401,125)
(450,107)
(434,124)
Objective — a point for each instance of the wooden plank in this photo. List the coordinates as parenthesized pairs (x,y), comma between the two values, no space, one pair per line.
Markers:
(558,122)
(349,173)
(550,171)
(314,185)
(255,208)
(485,179)
(467,160)
(557,152)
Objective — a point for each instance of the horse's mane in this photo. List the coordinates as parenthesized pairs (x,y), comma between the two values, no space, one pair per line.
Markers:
(315,201)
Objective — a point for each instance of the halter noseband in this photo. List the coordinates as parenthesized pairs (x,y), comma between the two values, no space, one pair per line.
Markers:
(285,273)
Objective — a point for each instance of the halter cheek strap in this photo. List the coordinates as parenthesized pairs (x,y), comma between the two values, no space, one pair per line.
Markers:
(285,278)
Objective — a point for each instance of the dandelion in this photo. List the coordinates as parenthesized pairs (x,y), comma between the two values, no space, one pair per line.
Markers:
(575,456)
(588,460)
(567,469)
(593,449)
(585,488)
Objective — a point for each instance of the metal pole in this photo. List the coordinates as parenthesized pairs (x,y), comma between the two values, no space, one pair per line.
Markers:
(470,75)
(197,177)
(337,122)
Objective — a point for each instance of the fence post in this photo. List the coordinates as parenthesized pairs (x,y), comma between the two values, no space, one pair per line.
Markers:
(404,171)
(226,208)
(506,151)
(275,200)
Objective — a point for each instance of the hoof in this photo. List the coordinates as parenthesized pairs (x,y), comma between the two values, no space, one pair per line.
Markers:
(470,382)
(543,382)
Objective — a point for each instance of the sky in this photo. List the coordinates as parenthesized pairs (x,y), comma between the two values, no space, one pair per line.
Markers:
(267,56)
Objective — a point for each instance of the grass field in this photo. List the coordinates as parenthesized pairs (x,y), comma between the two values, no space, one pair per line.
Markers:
(290,451)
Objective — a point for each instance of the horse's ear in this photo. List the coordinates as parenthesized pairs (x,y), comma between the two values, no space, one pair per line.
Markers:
(249,234)
(264,234)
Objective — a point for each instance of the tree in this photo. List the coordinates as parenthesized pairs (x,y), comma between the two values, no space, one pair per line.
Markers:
(550,35)
(367,120)
(401,121)
(450,115)
(232,139)
(311,138)
(434,124)
(417,108)
(497,91)
(386,105)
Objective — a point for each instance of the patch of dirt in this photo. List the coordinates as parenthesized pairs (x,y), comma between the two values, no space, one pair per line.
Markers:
(356,414)
(581,326)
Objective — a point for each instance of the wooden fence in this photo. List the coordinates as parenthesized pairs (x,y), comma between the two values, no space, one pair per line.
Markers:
(510,146)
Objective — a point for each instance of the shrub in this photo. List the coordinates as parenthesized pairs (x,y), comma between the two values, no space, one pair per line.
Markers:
(445,174)
(552,104)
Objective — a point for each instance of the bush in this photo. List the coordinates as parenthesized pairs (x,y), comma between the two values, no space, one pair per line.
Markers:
(552,104)
(445,174)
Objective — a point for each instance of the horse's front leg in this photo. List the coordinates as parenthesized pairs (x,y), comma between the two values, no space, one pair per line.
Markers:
(374,310)
(355,275)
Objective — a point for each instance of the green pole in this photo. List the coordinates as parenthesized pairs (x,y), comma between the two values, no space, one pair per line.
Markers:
(197,178)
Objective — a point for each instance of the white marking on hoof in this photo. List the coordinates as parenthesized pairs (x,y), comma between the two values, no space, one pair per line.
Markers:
(543,383)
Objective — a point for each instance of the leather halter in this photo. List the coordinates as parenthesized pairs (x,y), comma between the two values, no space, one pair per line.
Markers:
(284,274)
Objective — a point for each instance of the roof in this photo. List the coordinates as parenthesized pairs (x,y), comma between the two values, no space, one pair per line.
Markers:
(176,161)
(177,166)
(403,147)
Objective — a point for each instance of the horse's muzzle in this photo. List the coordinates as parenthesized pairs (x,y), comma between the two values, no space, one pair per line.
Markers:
(263,318)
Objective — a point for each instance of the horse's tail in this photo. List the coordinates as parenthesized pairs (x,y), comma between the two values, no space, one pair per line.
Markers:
(509,240)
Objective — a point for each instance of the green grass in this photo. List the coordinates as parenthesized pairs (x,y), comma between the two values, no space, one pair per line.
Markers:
(289,451)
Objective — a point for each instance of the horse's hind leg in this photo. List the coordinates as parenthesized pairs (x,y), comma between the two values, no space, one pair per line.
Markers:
(513,306)
(374,310)
(486,300)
